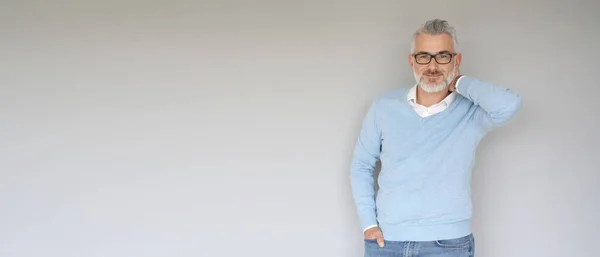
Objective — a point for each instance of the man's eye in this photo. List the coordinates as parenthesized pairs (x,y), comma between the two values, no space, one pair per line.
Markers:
(422,56)
(443,56)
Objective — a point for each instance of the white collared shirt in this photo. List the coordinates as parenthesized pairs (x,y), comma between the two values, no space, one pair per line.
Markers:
(431,110)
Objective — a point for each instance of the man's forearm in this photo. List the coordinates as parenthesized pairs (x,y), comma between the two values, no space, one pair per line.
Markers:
(363,191)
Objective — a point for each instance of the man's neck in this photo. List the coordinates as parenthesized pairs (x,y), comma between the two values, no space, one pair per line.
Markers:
(429,99)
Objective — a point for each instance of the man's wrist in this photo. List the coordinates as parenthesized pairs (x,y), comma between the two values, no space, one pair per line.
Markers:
(367,228)
(455,83)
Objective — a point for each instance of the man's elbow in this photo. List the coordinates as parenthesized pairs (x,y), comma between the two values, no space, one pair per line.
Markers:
(514,107)
(506,114)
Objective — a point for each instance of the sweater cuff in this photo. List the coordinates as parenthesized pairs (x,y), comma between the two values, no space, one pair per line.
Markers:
(463,84)
(372,226)
(458,83)
(368,220)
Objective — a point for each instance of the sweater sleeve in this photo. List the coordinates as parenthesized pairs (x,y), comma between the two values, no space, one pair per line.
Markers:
(365,157)
(496,105)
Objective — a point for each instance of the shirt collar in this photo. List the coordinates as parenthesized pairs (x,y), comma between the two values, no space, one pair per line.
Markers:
(412,94)
(412,97)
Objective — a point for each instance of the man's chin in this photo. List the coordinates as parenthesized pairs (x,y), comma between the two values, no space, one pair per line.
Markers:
(433,88)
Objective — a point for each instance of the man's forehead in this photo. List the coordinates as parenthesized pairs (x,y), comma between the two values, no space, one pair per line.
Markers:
(433,43)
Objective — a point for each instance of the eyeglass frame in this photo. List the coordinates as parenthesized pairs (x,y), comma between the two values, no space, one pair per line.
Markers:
(434,56)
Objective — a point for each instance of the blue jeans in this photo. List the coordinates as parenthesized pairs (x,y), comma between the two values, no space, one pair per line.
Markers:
(458,247)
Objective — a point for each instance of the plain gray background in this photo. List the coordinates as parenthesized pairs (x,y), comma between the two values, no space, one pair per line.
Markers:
(225,128)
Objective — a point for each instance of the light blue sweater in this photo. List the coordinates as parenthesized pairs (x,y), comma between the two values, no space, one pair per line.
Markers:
(424,184)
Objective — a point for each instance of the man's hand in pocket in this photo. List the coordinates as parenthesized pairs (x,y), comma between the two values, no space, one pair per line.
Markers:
(375,233)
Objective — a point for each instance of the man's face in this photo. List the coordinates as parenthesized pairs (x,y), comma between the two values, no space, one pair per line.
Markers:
(434,77)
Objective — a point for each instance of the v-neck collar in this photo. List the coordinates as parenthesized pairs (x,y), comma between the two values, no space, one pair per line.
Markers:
(433,117)
(412,97)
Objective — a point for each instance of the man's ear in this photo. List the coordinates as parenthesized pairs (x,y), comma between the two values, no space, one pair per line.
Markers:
(458,60)
(411,61)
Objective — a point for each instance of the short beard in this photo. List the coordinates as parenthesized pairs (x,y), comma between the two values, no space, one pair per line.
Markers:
(433,88)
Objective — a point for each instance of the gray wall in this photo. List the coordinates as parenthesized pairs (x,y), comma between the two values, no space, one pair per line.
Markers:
(225,128)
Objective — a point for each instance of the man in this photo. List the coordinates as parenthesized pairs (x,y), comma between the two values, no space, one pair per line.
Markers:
(425,138)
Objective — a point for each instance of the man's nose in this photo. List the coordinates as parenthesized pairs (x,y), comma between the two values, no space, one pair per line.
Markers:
(433,65)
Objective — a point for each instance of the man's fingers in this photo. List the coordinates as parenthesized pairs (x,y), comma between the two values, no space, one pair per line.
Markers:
(375,233)
(380,241)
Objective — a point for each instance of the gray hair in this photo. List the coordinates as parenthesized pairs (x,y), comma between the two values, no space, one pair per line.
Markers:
(435,27)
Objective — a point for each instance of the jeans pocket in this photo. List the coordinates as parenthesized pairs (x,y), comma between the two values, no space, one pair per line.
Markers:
(461,242)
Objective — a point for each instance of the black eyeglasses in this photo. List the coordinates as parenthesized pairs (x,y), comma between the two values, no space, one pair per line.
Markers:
(441,58)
